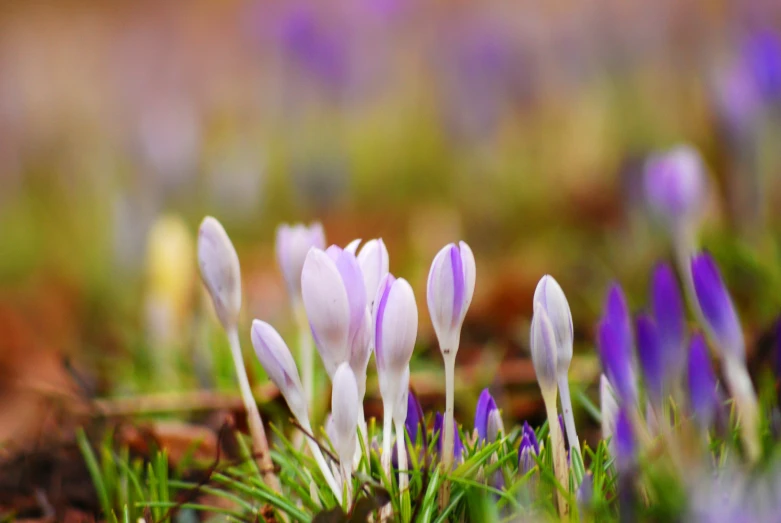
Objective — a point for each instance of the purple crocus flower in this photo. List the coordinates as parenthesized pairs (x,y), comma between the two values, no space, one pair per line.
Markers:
(624,442)
(718,312)
(668,311)
(528,432)
(458,447)
(485,405)
(526,451)
(650,354)
(451,284)
(703,392)
(415,420)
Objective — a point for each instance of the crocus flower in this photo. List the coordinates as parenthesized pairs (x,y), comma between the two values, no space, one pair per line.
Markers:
(345,410)
(650,355)
(485,406)
(530,434)
(278,363)
(703,395)
(220,271)
(292,246)
(374,261)
(551,298)
(334,297)
(458,447)
(675,185)
(718,312)
(667,306)
(624,442)
(762,55)
(451,284)
(526,452)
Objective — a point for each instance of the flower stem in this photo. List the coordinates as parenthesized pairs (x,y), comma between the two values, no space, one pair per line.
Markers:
(557,447)
(569,419)
(401,449)
(387,427)
(258,433)
(742,391)
(447,427)
(321,463)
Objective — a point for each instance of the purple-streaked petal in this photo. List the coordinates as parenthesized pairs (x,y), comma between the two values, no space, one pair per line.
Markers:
(396,327)
(703,387)
(458,447)
(718,312)
(650,355)
(380,303)
(220,270)
(550,295)
(617,314)
(352,277)
(543,349)
(457,274)
(526,452)
(470,275)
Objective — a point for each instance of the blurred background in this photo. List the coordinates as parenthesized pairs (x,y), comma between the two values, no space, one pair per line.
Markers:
(520,127)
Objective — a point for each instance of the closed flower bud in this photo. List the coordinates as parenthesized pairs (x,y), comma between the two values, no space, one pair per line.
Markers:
(703,387)
(375,263)
(345,409)
(650,356)
(526,455)
(293,244)
(495,426)
(675,184)
(451,284)
(415,423)
(668,311)
(529,432)
(278,363)
(334,298)
(220,271)
(608,407)
(615,346)
(718,312)
(396,324)
(543,346)
(550,296)
(485,406)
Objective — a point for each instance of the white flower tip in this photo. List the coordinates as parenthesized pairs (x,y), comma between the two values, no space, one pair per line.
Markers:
(551,296)
(220,270)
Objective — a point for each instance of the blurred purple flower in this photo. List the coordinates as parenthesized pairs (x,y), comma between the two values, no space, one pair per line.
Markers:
(485,405)
(675,184)
(311,44)
(761,52)
(703,388)
(615,345)
(668,311)
(458,447)
(718,312)
(527,450)
(650,354)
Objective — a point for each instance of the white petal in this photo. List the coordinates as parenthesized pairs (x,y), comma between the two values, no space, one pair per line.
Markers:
(353,246)
(220,270)
(327,308)
(543,347)
(345,409)
(608,406)
(399,326)
(374,263)
(360,352)
(470,275)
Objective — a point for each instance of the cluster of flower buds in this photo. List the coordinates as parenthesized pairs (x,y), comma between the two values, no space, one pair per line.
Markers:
(488,419)
(528,449)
